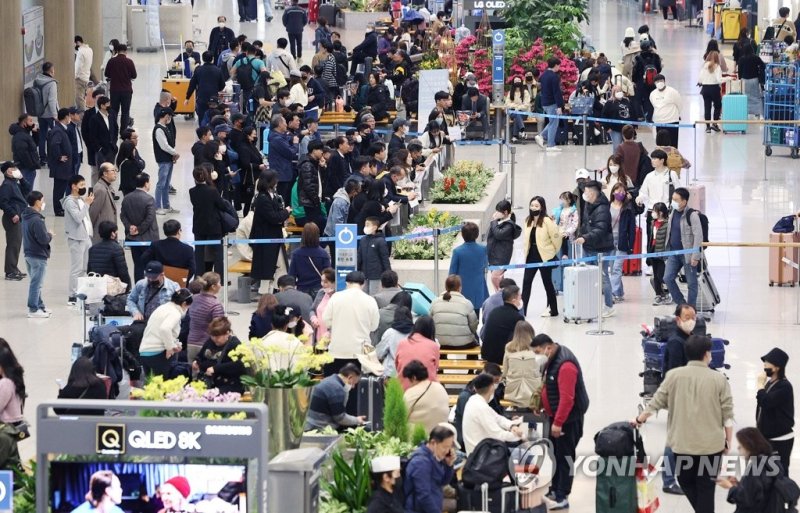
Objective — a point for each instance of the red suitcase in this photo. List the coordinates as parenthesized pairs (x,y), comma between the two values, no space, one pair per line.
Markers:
(633,267)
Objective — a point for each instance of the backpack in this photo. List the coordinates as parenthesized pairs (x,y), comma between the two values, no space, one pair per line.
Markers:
(650,73)
(703,221)
(34,101)
(244,74)
(784,225)
(488,463)
(674,161)
(784,495)
(615,440)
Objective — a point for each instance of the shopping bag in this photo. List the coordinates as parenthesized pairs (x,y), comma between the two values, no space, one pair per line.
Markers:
(93,286)
(646,489)
(115,286)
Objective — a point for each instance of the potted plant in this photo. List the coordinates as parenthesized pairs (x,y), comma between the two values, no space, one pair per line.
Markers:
(281,379)
(181,390)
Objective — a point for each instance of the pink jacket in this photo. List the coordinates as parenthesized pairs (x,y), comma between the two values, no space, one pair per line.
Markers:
(419,348)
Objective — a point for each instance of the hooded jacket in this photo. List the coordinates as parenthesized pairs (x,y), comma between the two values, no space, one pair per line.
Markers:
(24,148)
(49,88)
(596,226)
(338,211)
(35,237)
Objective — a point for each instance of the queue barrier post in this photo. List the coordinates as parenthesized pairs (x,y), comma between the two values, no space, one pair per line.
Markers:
(513,157)
(225,282)
(436,261)
(585,147)
(600,331)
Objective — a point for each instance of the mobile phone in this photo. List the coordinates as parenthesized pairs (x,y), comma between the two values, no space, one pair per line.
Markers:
(91,190)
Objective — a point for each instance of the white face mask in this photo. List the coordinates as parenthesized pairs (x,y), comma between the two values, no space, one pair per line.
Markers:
(223,148)
(214,175)
(614,169)
(44,205)
(688,326)
(586,197)
(369,230)
(357,138)
(292,325)
(674,205)
(347,388)
(654,215)
(221,24)
(661,86)
(110,48)
(16,174)
(619,95)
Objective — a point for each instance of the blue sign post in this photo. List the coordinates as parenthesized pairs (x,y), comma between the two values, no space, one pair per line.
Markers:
(346,252)
(498,64)
(6,490)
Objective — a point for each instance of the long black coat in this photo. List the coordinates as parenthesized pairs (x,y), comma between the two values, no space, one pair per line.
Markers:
(270,215)
(207,205)
(58,146)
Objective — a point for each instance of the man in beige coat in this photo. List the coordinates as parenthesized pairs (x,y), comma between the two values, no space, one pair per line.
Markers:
(104,207)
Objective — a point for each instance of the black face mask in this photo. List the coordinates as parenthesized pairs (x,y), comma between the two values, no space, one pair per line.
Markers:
(154,284)
(82,191)
(535,213)
(769,372)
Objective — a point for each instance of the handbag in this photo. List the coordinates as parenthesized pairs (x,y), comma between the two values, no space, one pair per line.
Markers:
(114,286)
(115,304)
(370,364)
(646,489)
(784,225)
(674,160)
(17,430)
(93,286)
(229,219)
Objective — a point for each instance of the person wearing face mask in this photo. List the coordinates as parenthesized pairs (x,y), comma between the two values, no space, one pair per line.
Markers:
(481,421)
(13,192)
(205,308)
(78,228)
(775,410)
(329,399)
(616,174)
(498,329)
(138,216)
(596,236)
(106,257)
(666,101)
(658,243)
(429,469)
(280,343)
(684,231)
(657,186)
(565,401)
(24,146)
(623,227)
(36,243)
(149,293)
(619,109)
(567,220)
(160,340)
(327,285)
(373,254)
(387,495)
(542,242)
(189,57)
(518,98)
(220,38)
(206,222)
(166,155)
(503,230)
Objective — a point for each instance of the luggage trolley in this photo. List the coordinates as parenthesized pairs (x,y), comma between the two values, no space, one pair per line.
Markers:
(782,104)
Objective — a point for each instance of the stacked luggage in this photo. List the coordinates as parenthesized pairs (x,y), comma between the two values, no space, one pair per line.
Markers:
(781,270)
(624,478)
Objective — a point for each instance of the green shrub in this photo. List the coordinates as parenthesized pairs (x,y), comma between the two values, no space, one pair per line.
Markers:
(395,413)
(419,435)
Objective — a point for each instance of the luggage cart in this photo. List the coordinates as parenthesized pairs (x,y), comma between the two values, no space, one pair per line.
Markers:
(782,104)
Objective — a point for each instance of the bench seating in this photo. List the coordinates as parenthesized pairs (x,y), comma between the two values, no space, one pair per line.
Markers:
(461,365)
(241,267)
(470,353)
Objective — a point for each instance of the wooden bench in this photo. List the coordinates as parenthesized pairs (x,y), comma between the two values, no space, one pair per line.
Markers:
(455,379)
(241,267)
(472,352)
(453,399)
(462,365)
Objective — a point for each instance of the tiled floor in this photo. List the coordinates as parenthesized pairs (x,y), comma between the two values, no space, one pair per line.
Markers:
(741,206)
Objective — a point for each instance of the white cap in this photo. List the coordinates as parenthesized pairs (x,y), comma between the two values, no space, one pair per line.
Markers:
(629,32)
(452,428)
(582,173)
(385,464)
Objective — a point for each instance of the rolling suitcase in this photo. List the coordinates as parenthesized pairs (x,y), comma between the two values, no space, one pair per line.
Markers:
(734,108)
(421,297)
(653,354)
(697,197)
(615,491)
(707,294)
(371,393)
(580,292)
(651,380)
(328,11)
(633,267)
(718,353)
(780,272)
(484,500)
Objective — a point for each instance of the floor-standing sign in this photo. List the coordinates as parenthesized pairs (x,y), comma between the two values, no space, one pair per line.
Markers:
(32,43)
(346,248)
(498,65)
(6,491)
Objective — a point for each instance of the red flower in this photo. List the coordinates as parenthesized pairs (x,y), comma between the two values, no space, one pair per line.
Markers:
(462,184)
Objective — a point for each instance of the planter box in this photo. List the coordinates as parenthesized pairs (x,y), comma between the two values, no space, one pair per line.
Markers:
(481,212)
(358,20)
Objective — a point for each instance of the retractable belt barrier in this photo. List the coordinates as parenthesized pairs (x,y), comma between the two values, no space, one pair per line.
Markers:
(602,120)
(574,261)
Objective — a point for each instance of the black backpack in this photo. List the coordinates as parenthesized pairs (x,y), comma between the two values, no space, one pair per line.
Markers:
(703,221)
(488,463)
(616,439)
(34,101)
(784,495)
(244,74)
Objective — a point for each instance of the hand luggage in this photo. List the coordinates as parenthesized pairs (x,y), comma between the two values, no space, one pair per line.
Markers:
(697,197)
(421,297)
(580,293)
(328,11)
(707,294)
(615,440)
(653,353)
(651,380)
(615,490)
(718,353)
(780,272)
(734,108)
(371,393)
(633,267)
(484,500)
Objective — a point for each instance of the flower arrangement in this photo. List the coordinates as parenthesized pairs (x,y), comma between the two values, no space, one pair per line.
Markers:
(476,60)
(181,390)
(537,56)
(463,182)
(422,248)
(262,360)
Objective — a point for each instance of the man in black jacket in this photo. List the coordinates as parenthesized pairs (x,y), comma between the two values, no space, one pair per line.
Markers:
(220,39)
(295,20)
(207,81)
(398,139)
(86,132)
(367,48)
(562,372)
(170,250)
(13,192)
(595,234)
(646,66)
(59,159)
(500,325)
(104,132)
(338,166)
(25,146)
(311,185)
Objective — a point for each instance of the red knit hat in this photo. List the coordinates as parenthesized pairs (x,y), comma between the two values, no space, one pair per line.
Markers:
(181,484)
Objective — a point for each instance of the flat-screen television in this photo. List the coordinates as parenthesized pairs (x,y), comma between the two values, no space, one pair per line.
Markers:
(136,487)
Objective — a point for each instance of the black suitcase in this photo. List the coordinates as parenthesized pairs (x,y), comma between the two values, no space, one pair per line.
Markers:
(501,500)
(371,394)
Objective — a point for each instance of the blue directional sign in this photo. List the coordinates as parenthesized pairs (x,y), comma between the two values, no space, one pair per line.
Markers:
(346,252)
(498,64)
(6,490)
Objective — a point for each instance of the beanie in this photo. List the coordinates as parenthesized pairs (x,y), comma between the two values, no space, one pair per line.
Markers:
(181,484)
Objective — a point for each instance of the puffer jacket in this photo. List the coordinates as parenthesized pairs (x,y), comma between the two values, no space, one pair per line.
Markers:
(35,237)
(455,320)
(23,148)
(548,239)
(658,242)
(108,258)
(500,240)
(308,185)
(596,226)
(338,212)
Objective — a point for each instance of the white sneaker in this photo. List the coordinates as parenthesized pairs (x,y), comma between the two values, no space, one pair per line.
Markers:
(162,211)
(38,314)
(546,313)
(553,149)
(608,312)
(540,141)
(173,211)
(648,271)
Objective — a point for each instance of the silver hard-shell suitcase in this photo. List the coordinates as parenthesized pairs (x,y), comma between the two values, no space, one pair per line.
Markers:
(580,291)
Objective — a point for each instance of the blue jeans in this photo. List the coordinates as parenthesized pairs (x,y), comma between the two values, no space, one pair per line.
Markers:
(668,477)
(268,8)
(518,124)
(162,187)
(616,275)
(36,268)
(551,129)
(558,272)
(616,140)
(674,264)
(606,279)
(29,175)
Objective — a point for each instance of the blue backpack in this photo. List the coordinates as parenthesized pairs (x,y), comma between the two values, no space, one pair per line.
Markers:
(784,225)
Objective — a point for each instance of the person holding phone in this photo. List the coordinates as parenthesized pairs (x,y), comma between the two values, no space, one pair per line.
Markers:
(79,230)
(429,468)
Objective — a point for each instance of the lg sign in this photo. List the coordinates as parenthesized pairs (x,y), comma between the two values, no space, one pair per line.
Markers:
(164,440)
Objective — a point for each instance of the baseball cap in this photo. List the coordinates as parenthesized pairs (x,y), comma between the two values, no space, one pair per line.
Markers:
(582,174)
(222,127)
(74,110)
(295,73)
(397,123)
(153,269)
